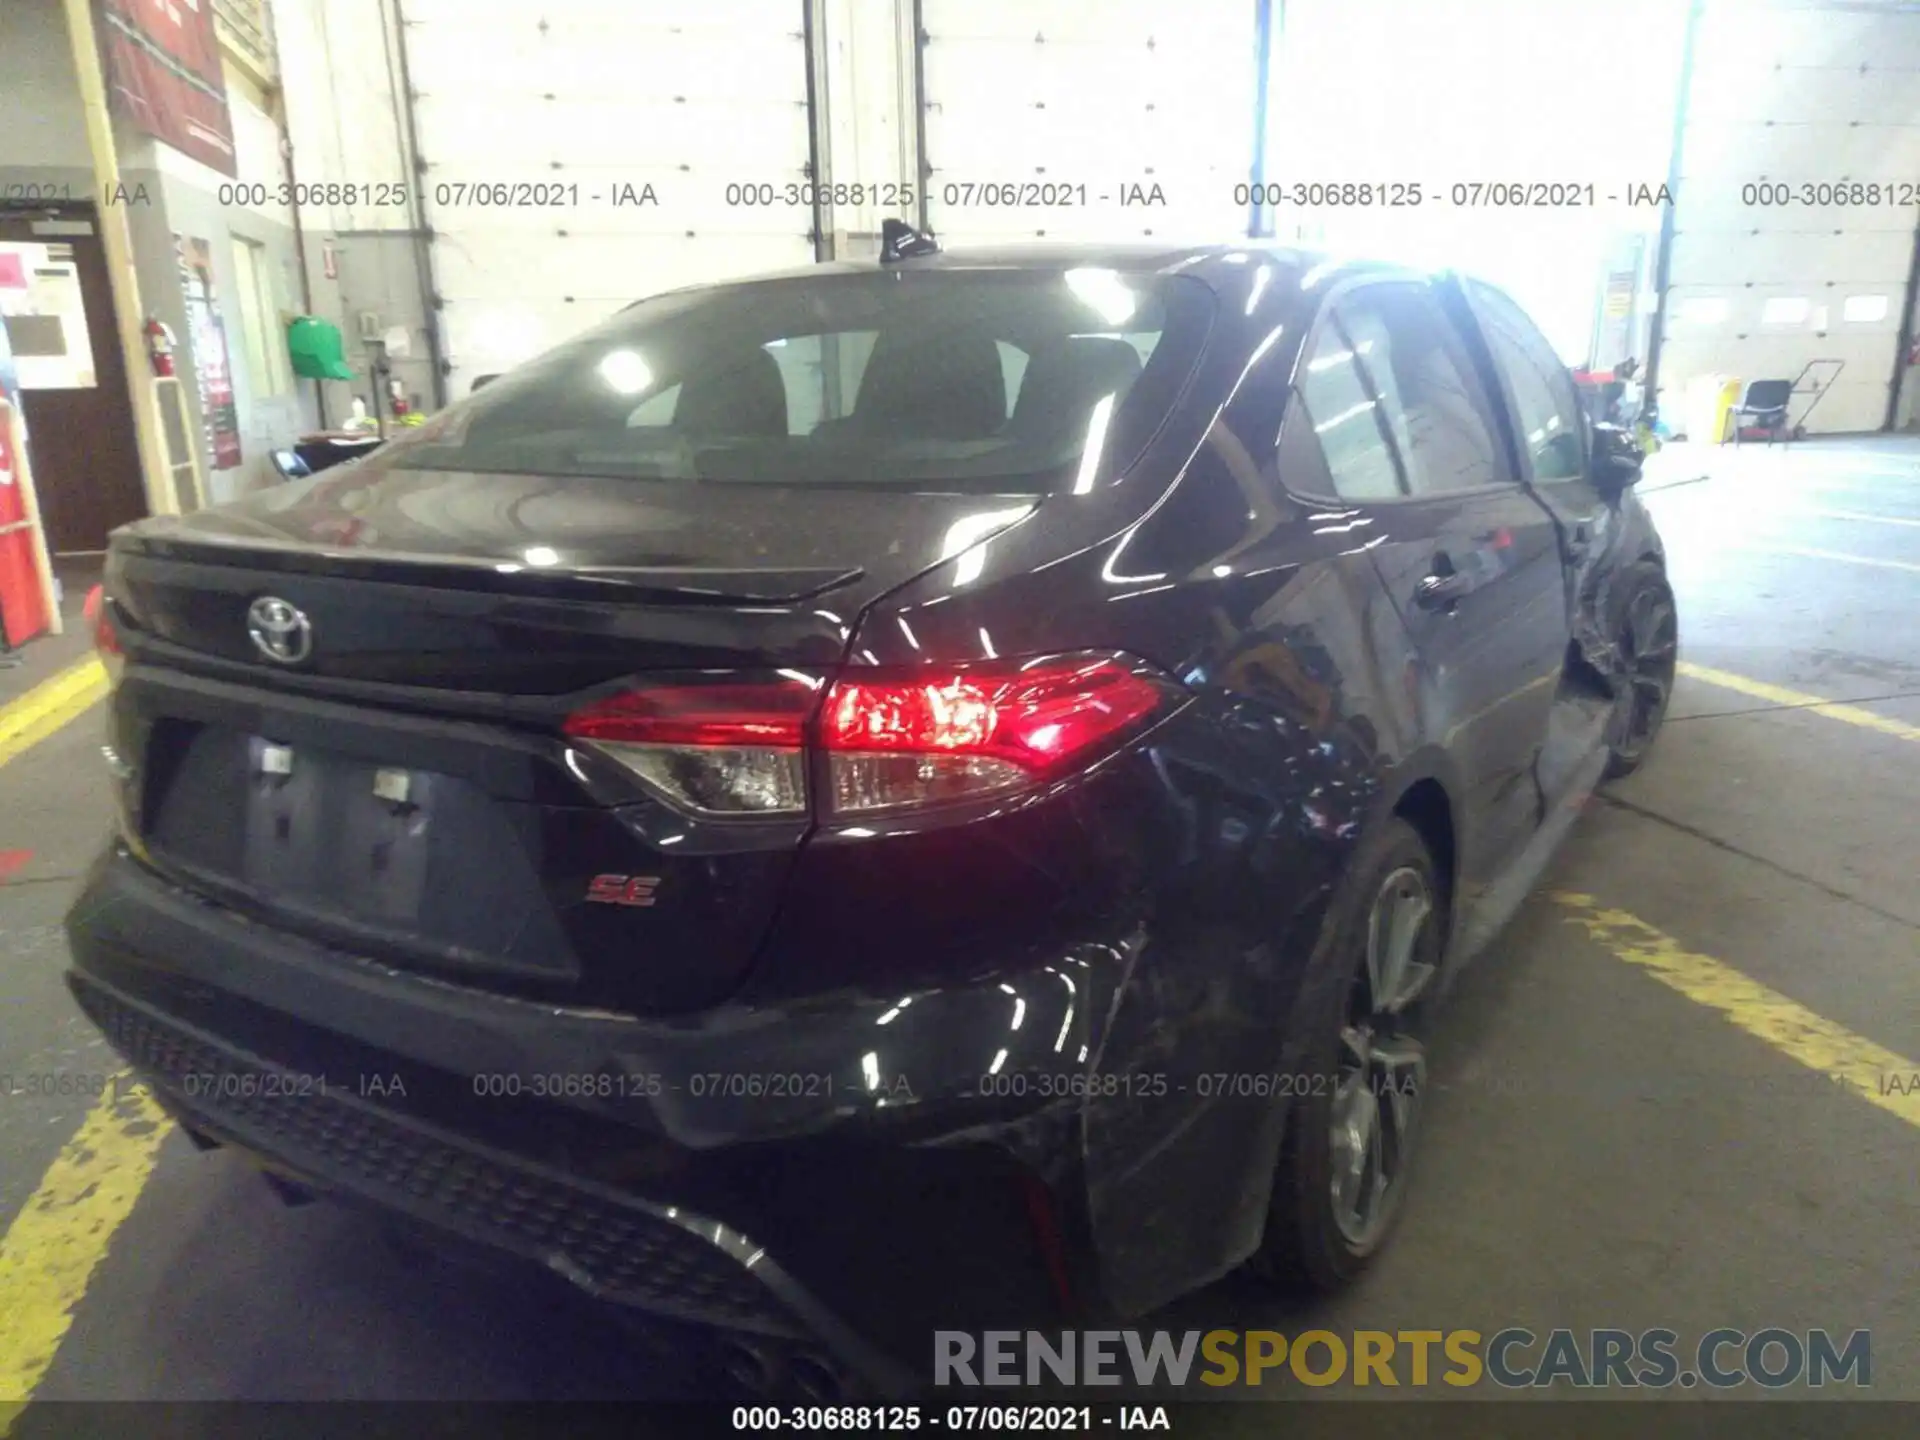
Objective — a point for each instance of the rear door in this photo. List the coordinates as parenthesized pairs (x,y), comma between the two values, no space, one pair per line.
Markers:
(1469,557)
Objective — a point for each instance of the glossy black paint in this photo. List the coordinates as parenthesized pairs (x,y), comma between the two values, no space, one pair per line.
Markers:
(1115,938)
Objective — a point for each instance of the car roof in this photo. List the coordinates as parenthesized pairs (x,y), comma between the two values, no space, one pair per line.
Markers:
(1134,255)
(1209,262)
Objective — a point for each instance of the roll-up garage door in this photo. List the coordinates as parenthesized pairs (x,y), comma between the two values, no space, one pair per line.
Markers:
(1058,119)
(579,156)
(1794,218)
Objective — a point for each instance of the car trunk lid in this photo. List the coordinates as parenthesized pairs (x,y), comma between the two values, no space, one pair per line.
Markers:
(457,580)
(404,791)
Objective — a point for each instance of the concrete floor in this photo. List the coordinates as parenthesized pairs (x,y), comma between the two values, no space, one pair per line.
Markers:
(1603,1150)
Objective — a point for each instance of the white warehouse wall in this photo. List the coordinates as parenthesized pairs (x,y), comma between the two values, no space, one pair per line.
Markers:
(344,103)
(43,137)
(1057,119)
(43,143)
(580,157)
(690,96)
(1796,95)
(1495,94)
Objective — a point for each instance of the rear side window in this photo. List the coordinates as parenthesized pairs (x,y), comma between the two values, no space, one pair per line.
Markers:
(985,380)
(1546,405)
(1433,404)
(1331,405)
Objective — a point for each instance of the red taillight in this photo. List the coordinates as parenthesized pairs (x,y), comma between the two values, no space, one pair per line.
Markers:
(106,639)
(719,749)
(891,739)
(925,738)
(751,714)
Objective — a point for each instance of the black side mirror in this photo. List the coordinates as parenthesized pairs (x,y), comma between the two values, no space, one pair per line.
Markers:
(480,380)
(1616,459)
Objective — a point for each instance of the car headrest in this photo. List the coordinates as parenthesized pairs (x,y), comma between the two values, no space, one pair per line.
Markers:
(744,396)
(938,388)
(1066,379)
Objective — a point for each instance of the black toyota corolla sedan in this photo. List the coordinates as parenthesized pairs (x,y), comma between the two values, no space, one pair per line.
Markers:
(907,795)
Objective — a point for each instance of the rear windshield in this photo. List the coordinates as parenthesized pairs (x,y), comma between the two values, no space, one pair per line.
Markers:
(991,380)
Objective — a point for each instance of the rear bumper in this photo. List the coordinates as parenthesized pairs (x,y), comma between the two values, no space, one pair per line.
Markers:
(771,1173)
(663,1259)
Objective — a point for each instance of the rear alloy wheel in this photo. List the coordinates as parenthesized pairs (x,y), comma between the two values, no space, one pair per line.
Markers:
(1649,639)
(1353,1132)
(1382,1062)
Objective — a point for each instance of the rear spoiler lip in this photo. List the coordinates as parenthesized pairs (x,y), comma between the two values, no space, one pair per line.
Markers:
(664,584)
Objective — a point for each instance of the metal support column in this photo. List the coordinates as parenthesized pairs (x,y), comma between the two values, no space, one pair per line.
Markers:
(1663,256)
(922,171)
(813,36)
(1905,344)
(394,34)
(1259,217)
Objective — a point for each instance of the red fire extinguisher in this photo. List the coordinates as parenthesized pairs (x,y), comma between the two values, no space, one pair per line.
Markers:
(159,347)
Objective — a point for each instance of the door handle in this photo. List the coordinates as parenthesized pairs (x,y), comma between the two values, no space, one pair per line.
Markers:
(1441,590)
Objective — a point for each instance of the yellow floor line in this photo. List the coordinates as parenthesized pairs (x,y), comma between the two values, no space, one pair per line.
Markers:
(1780,695)
(40,712)
(50,1251)
(1874,1073)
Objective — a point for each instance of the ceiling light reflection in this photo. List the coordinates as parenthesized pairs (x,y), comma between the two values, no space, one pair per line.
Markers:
(625,372)
(1095,446)
(1104,292)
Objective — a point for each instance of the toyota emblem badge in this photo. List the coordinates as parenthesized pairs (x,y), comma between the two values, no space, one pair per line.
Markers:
(280,632)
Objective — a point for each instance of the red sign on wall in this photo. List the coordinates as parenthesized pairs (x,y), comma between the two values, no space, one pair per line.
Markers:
(163,71)
(219,413)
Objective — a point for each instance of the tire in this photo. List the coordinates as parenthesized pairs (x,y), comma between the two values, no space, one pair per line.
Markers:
(1315,1241)
(1646,627)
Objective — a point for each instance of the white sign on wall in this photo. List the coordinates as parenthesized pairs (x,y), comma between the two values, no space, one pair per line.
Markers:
(46,319)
